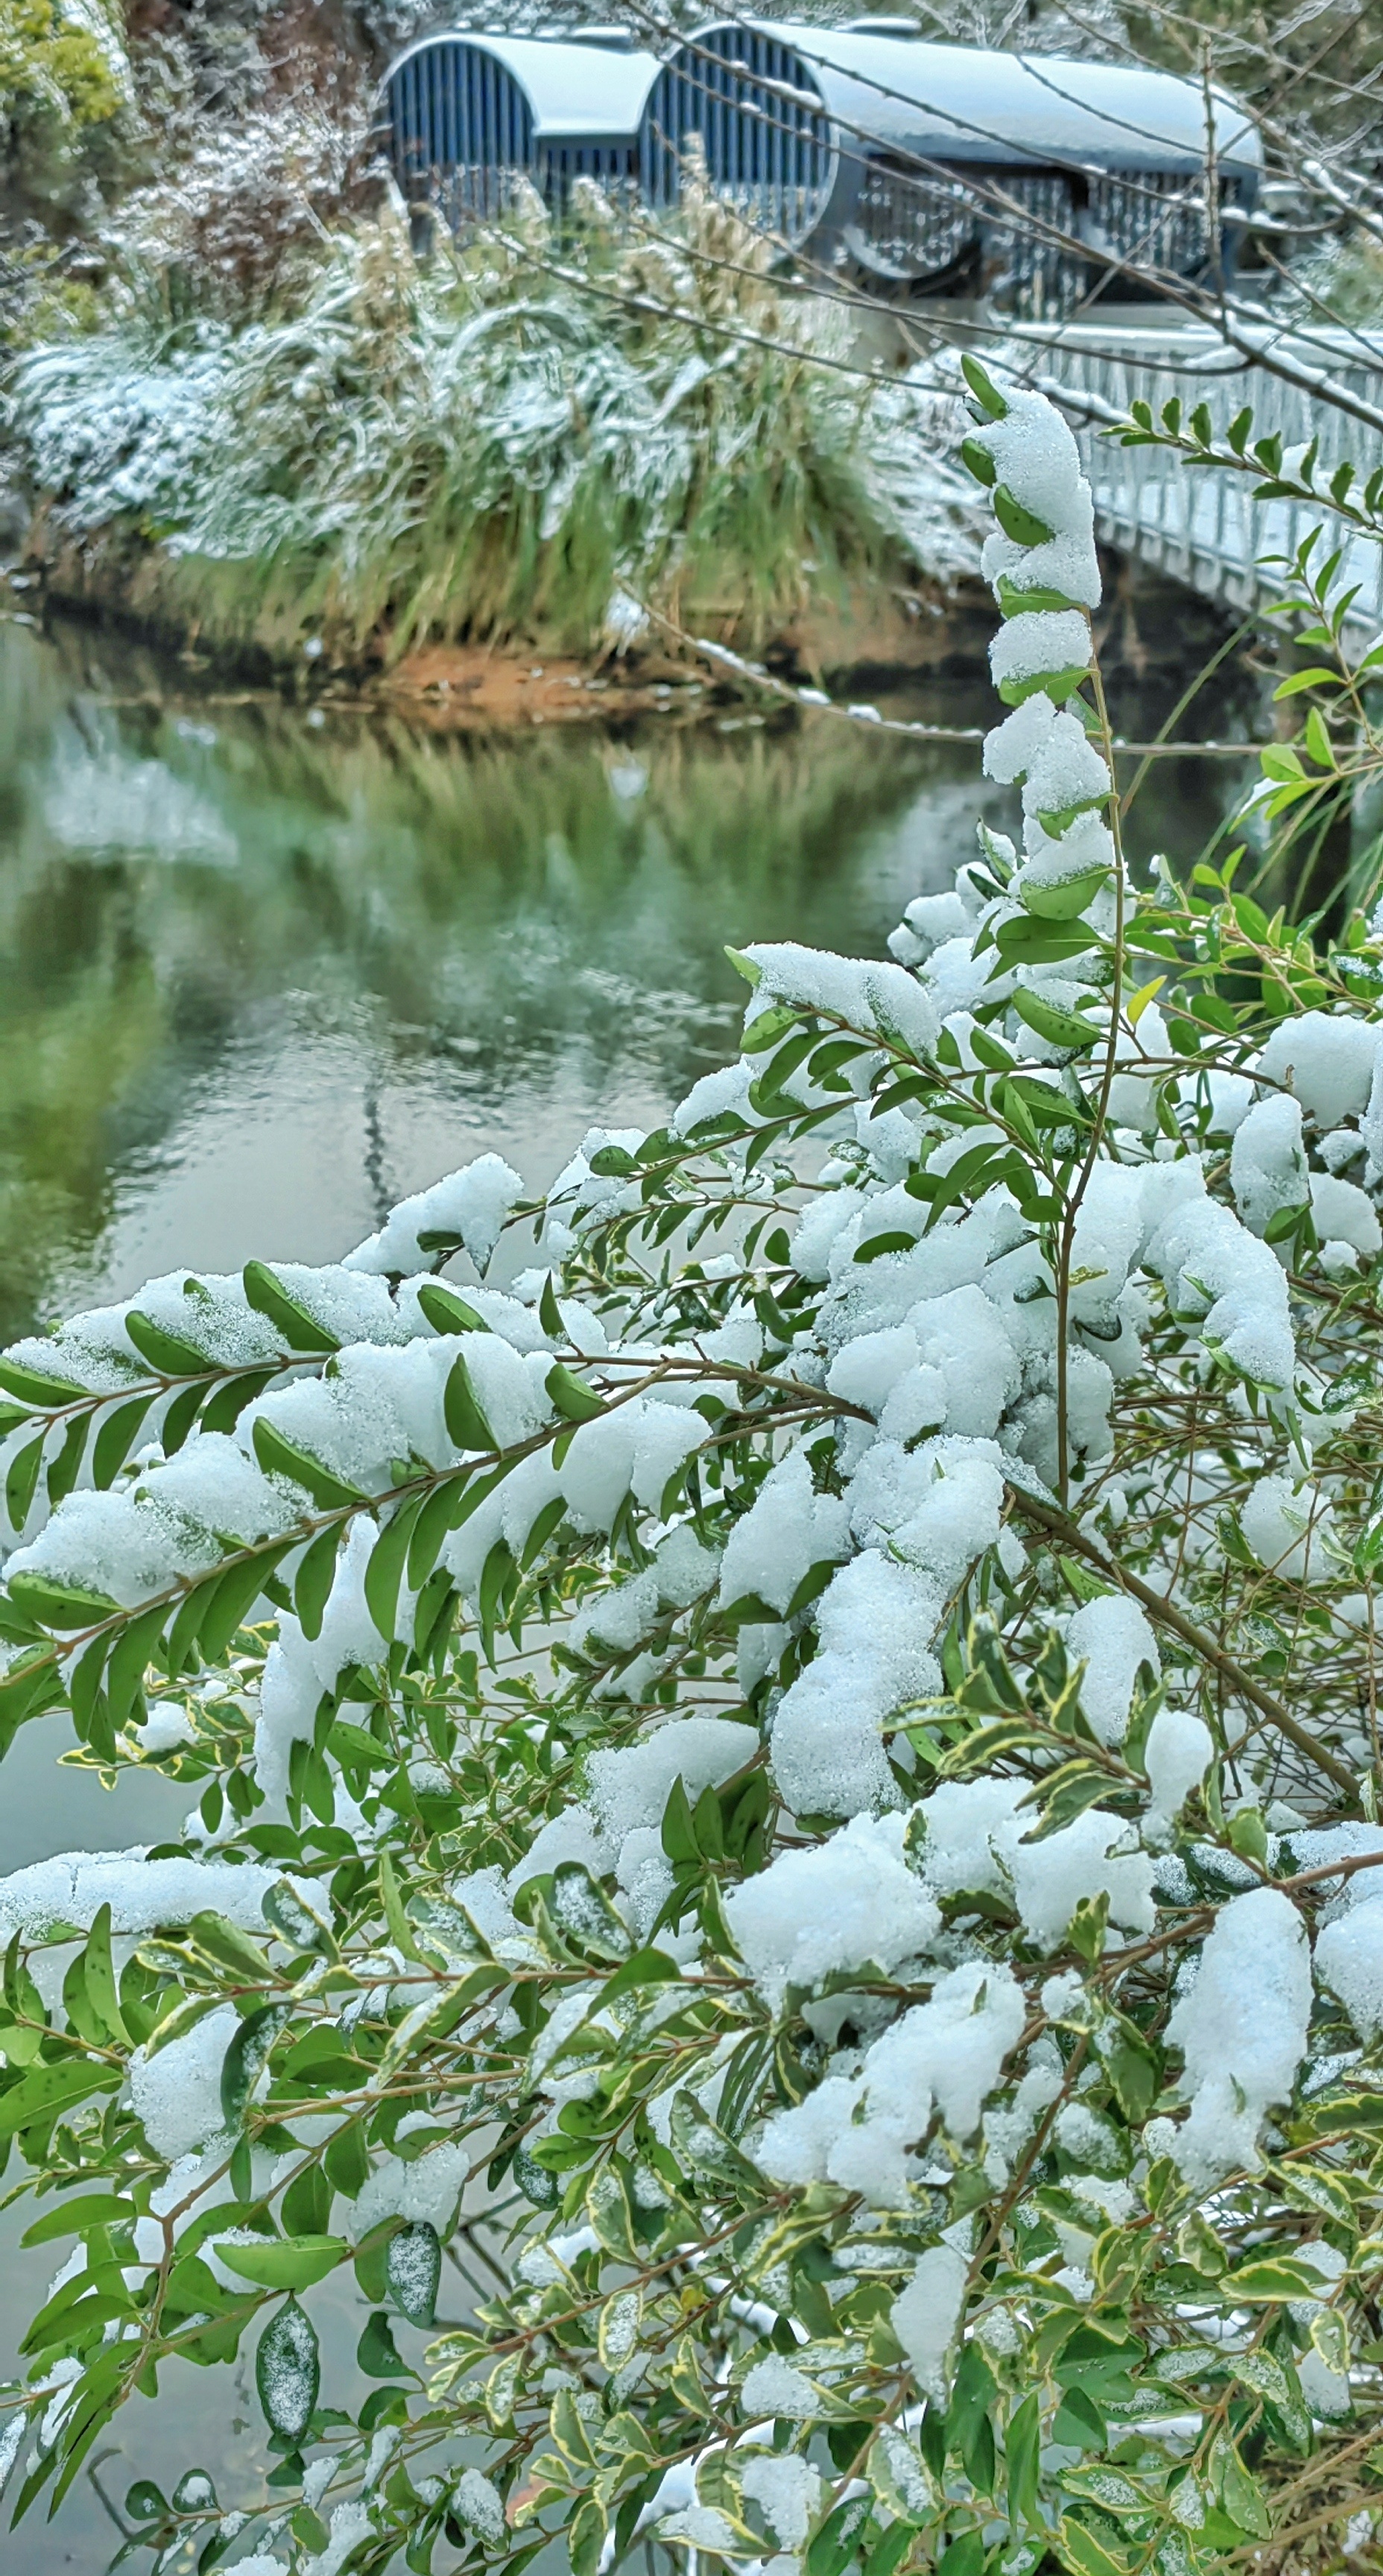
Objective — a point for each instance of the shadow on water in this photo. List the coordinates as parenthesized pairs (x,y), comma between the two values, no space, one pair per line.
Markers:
(259,976)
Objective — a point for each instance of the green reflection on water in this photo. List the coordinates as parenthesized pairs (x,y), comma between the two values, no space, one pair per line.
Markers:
(261,973)
(365,945)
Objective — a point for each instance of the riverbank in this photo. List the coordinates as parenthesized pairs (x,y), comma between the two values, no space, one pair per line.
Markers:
(886,634)
(878,640)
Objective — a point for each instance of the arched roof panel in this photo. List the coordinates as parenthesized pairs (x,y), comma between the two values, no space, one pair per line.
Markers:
(572,90)
(959,103)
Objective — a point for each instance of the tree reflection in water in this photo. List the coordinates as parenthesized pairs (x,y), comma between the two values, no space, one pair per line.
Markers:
(260,977)
(261,973)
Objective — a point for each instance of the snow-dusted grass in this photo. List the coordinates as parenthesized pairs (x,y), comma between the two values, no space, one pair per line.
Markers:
(514,438)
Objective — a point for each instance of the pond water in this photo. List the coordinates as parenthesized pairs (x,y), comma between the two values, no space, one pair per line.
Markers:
(265,970)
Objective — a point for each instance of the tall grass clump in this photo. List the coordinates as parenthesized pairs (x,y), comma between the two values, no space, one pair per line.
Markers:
(513,435)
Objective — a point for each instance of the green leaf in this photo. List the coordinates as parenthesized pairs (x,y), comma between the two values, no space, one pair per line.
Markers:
(99,1975)
(306,2205)
(570,1396)
(880,1245)
(438,1515)
(833,2546)
(60,1605)
(347,2160)
(1064,901)
(245,2059)
(182,1636)
(1057,685)
(1022,525)
(219,1939)
(1271,2277)
(144,2502)
(1060,1028)
(223,1409)
(1084,2555)
(1022,2444)
(164,1351)
(46,2090)
(268,1296)
(446,1312)
(413,2269)
(71,2217)
(288,2372)
(62,1474)
(33,1388)
(129,1662)
(990,400)
(1132,2070)
(1033,599)
(314,1578)
(376,2354)
(384,1572)
(466,1423)
(21,1480)
(284,2263)
(646,1968)
(280,1457)
(586,2536)
(965,2557)
(234,1597)
(1316,678)
(1078,2421)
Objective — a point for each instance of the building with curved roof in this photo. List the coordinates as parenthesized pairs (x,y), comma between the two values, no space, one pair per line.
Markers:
(946,167)
(469,112)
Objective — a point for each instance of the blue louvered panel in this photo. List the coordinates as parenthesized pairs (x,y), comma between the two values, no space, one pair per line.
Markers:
(1032,267)
(461,129)
(613,167)
(1152,218)
(905,225)
(767,156)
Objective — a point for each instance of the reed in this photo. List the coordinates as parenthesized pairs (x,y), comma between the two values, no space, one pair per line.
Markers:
(530,433)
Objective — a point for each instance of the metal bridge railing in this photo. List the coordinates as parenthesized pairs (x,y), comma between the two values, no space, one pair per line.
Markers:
(1199,522)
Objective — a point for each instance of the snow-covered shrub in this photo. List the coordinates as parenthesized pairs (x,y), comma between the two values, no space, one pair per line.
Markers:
(811,1763)
(239,219)
(523,434)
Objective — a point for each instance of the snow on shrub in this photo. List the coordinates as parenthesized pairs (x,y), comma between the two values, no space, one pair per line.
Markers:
(811,1768)
(545,426)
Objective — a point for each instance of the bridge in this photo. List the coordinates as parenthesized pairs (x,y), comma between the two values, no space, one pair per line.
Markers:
(1201,523)
(968,183)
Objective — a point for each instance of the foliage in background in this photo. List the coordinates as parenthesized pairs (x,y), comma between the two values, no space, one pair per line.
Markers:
(806,1780)
(511,437)
(64,78)
(240,224)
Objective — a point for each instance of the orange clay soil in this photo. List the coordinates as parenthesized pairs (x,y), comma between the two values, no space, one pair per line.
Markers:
(462,684)
(888,632)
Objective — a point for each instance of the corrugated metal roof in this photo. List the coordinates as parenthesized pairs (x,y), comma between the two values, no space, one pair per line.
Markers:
(573,89)
(960,103)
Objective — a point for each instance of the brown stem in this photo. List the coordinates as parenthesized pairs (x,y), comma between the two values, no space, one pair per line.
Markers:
(1165,1614)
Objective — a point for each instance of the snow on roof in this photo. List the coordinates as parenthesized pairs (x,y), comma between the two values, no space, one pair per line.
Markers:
(581,90)
(960,102)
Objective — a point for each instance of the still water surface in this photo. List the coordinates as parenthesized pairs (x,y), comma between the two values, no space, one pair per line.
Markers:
(261,974)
